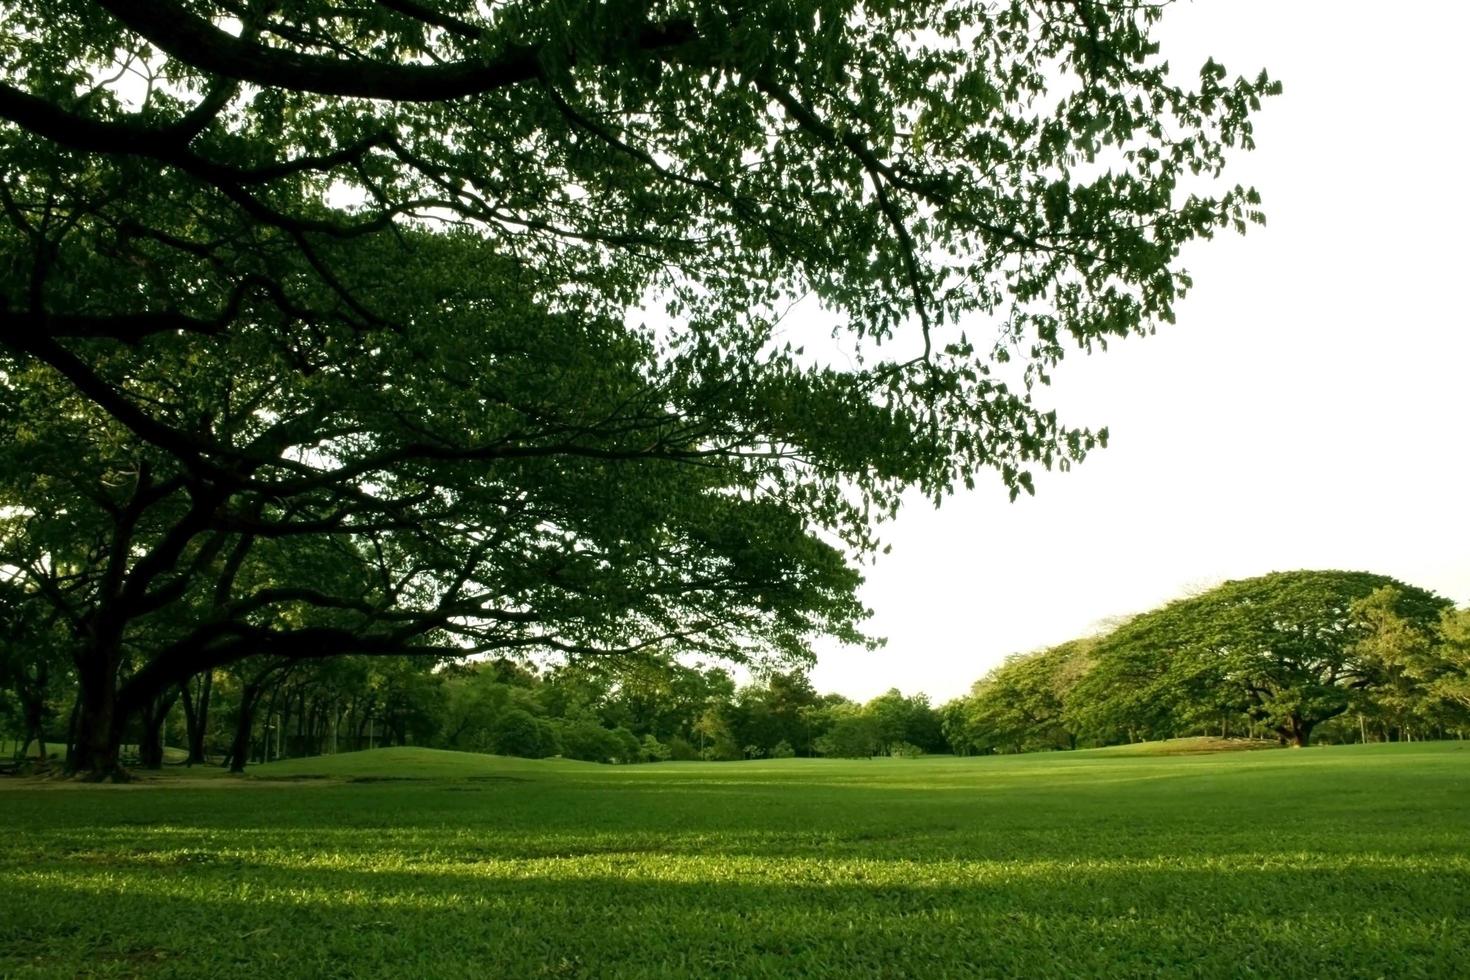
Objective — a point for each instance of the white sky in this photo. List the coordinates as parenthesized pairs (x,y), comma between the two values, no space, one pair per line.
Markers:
(1308,410)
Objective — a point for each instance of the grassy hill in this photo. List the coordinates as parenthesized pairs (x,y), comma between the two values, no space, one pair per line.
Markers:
(411,762)
(408,763)
(1341,862)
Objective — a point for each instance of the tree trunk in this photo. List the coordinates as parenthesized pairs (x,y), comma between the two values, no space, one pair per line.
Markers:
(302,742)
(71,733)
(196,716)
(191,720)
(284,746)
(249,700)
(35,712)
(244,723)
(150,741)
(267,729)
(32,693)
(1295,732)
(155,714)
(99,722)
(240,746)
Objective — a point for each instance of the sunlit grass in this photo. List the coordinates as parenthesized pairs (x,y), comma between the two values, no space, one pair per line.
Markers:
(1341,862)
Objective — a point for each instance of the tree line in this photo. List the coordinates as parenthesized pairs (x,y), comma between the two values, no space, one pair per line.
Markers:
(1340,656)
(648,711)
(1336,656)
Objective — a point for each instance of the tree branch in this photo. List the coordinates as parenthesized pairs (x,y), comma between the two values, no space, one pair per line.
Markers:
(195,41)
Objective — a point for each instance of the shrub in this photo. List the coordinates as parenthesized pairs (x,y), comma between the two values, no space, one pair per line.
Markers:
(681,750)
(588,741)
(722,750)
(654,751)
(518,732)
(626,747)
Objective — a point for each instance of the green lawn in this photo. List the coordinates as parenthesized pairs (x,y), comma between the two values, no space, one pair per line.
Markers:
(1343,862)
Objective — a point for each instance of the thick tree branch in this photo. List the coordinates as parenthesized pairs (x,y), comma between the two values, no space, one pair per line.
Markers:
(195,41)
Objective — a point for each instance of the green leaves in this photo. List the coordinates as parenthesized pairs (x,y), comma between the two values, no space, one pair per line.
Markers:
(1289,650)
(357,286)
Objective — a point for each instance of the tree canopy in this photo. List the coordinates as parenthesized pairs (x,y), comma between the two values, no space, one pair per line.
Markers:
(1022,705)
(1283,653)
(431,325)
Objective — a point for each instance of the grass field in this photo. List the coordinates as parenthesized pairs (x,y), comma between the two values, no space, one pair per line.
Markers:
(1342,862)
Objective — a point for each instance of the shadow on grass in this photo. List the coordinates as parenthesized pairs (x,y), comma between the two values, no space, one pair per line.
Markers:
(1315,872)
(647,915)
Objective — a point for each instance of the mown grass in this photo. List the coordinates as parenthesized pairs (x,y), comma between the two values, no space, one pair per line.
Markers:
(1351,862)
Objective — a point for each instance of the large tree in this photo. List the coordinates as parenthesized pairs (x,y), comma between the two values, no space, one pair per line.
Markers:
(1290,650)
(360,328)
(440,497)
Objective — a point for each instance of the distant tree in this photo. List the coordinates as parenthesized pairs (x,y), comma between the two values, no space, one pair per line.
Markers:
(516,731)
(852,733)
(626,747)
(924,730)
(682,750)
(571,691)
(34,666)
(660,696)
(954,722)
(1289,650)
(196,696)
(478,700)
(817,719)
(652,750)
(1021,704)
(898,719)
(1453,647)
(770,711)
(715,737)
(1402,655)
(586,740)
(1422,688)
(889,715)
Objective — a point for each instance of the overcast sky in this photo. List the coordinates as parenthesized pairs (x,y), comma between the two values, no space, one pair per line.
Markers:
(1309,409)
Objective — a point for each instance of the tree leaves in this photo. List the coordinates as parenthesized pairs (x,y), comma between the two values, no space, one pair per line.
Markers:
(1290,650)
(356,285)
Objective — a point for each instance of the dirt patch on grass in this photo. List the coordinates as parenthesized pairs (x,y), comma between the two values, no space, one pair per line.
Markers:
(1208,744)
(142,782)
(496,779)
(386,779)
(305,777)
